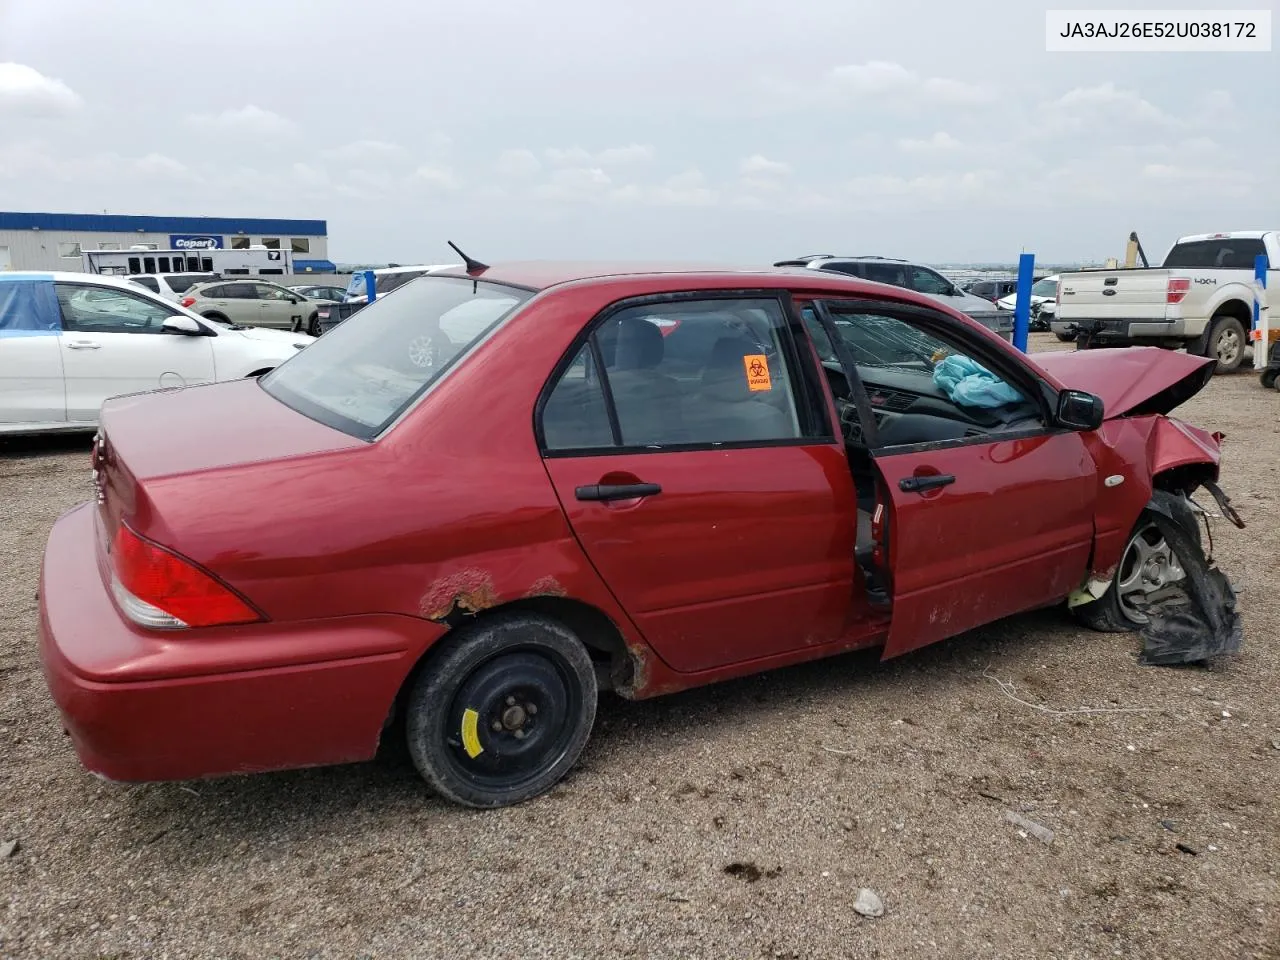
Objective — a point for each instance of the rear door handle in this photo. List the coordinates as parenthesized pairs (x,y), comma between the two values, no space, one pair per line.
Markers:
(617,491)
(83,344)
(920,484)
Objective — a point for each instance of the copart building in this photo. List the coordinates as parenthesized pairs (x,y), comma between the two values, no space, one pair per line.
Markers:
(56,241)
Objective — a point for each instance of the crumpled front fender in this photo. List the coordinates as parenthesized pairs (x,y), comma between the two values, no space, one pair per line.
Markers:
(1131,453)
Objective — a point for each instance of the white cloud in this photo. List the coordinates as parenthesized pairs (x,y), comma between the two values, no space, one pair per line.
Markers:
(441,178)
(363,152)
(576,156)
(250,120)
(883,78)
(575,185)
(632,153)
(159,165)
(940,142)
(1102,109)
(517,163)
(760,166)
(686,189)
(27,92)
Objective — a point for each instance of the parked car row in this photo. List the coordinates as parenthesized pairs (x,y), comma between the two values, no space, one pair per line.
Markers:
(516,486)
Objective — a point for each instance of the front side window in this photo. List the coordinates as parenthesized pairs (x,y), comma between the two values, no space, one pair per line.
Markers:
(683,373)
(360,376)
(925,388)
(1044,288)
(926,281)
(265,291)
(889,273)
(90,309)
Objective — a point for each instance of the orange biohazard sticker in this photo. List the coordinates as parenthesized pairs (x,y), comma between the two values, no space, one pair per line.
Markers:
(757,365)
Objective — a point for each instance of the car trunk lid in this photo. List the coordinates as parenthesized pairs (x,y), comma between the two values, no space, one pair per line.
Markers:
(164,433)
(1132,381)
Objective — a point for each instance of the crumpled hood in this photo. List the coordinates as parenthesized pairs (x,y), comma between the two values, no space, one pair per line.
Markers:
(1130,380)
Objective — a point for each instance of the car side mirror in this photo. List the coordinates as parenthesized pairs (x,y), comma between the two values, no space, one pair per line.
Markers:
(1078,410)
(183,325)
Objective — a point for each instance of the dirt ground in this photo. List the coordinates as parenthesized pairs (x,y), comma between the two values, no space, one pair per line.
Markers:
(814,781)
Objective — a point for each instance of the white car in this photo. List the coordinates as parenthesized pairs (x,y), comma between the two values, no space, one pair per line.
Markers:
(171,286)
(68,341)
(1042,290)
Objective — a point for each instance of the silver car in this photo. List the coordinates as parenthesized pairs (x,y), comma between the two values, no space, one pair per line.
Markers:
(912,276)
(253,302)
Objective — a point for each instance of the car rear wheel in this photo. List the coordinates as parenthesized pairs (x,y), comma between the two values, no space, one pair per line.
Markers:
(501,711)
(313,325)
(1268,378)
(1149,570)
(1226,344)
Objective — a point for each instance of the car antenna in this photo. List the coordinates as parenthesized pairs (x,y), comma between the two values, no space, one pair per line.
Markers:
(473,266)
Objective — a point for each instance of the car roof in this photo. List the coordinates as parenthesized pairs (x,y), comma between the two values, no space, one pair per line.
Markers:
(74,276)
(538,275)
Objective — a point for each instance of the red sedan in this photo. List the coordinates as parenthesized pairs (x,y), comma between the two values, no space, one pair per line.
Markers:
(491,494)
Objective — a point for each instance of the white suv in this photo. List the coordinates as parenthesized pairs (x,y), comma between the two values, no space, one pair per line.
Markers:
(171,286)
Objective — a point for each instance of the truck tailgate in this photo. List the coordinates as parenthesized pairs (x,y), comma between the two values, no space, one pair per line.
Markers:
(1114,294)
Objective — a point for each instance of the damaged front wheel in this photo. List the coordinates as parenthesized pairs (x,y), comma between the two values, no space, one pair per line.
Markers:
(1169,591)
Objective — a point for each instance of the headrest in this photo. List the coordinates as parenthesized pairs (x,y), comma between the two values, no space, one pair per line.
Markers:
(639,345)
(725,374)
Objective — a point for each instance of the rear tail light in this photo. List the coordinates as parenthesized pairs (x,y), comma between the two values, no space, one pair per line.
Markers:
(1178,288)
(188,301)
(158,589)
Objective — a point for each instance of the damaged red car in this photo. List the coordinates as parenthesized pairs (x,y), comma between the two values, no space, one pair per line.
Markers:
(498,491)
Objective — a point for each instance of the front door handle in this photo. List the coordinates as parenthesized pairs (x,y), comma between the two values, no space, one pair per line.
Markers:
(616,491)
(83,344)
(928,482)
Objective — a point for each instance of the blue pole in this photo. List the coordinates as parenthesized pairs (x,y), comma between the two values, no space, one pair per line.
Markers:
(370,289)
(1259,274)
(1022,308)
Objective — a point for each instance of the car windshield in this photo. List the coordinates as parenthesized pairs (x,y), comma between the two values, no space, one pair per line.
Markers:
(362,374)
(1044,288)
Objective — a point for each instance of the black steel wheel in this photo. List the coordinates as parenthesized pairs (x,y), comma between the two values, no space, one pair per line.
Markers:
(502,711)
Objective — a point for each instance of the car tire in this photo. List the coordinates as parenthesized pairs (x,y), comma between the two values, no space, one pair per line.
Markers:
(1065,337)
(1268,378)
(313,325)
(1226,343)
(501,711)
(1114,611)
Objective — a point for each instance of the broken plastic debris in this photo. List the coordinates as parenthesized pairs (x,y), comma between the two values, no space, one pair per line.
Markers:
(1043,834)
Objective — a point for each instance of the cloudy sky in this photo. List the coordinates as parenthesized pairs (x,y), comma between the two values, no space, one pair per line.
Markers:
(713,130)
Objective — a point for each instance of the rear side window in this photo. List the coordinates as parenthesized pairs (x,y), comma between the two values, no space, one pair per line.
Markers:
(685,373)
(183,284)
(1224,254)
(149,282)
(361,375)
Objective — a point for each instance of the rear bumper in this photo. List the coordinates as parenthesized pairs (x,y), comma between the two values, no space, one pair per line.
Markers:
(142,705)
(1133,329)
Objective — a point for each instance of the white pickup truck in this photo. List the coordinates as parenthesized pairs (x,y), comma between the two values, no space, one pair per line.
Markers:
(1200,298)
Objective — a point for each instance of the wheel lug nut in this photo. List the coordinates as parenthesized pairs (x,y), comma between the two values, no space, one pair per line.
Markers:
(531,709)
(519,734)
(496,725)
(511,701)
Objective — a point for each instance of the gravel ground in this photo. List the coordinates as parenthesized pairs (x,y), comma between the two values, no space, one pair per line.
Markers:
(734,821)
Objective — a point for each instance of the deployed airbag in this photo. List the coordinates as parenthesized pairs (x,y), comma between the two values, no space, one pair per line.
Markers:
(969,384)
